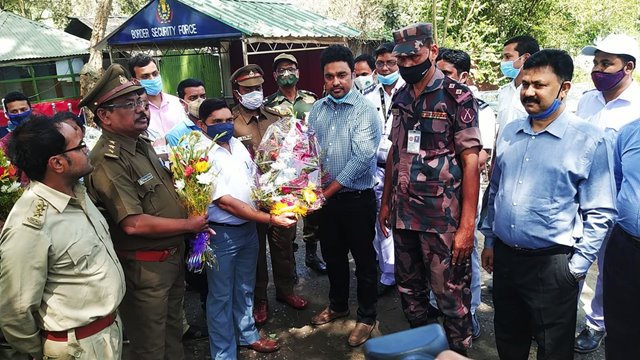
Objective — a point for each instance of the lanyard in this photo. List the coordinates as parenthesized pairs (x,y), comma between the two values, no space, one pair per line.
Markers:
(385,112)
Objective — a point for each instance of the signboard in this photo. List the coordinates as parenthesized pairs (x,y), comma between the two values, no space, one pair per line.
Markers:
(170,20)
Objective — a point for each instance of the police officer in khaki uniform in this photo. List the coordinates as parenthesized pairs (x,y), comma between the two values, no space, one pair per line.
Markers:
(298,103)
(250,121)
(431,197)
(60,277)
(147,222)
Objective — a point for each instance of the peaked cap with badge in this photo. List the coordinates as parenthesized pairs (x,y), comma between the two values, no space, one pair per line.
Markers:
(114,83)
(248,75)
(284,57)
(409,39)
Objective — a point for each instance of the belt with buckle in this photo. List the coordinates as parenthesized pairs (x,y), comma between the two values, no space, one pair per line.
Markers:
(82,332)
(147,255)
(213,223)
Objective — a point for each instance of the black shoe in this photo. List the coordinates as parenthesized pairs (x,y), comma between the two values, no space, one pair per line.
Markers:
(195,332)
(384,289)
(314,263)
(588,340)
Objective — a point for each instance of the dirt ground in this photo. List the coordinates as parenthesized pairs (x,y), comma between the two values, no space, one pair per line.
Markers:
(300,340)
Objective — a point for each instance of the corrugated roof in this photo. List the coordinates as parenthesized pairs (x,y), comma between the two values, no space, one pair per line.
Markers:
(271,19)
(24,39)
(113,22)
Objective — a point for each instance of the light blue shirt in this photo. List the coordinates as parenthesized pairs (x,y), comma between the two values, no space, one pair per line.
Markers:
(541,181)
(349,134)
(627,174)
(182,128)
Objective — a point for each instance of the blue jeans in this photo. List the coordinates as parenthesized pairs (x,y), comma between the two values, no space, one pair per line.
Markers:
(230,300)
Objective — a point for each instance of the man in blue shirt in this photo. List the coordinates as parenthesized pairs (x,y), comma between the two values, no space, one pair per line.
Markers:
(621,278)
(348,129)
(189,91)
(549,167)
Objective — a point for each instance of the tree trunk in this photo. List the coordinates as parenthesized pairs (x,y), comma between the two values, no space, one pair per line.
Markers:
(92,70)
(434,14)
(446,23)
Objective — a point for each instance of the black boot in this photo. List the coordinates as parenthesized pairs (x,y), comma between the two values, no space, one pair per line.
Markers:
(312,260)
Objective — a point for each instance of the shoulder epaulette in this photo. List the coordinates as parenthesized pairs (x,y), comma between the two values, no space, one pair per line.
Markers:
(588,91)
(112,150)
(36,214)
(273,111)
(309,93)
(460,93)
(482,104)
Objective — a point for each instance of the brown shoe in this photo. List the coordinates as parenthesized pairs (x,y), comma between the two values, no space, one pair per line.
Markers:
(327,315)
(264,346)
(261,312)
(293,300)
(361,333)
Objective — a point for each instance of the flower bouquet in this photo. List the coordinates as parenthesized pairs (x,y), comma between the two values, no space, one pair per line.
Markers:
(10,189)
(194,181)
(289,163)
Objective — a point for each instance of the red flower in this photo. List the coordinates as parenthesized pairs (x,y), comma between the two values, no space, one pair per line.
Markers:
(12,170)
(286,190)
(188,171)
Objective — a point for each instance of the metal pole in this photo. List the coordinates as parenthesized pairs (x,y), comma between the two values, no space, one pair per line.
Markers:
(245,55)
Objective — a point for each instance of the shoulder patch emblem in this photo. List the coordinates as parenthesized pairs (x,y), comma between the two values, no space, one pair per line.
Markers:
(37,214)
(467,115)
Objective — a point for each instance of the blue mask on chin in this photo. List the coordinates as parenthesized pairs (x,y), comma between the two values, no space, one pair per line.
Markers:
(545,114)
(389,79)
(224,130)
(340,100)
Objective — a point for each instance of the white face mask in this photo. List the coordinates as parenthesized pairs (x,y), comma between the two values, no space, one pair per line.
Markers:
(252,100)
(364,82)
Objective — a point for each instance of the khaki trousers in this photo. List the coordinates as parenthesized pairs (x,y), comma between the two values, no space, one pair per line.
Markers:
(106,344)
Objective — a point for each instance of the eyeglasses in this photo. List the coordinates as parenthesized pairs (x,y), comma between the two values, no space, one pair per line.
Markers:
(82,146)
(390,64)
(131,105)
(281,71)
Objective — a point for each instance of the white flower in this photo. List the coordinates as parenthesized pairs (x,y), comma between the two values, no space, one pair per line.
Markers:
(278,165)
(179,184)
(206,178)
(14,187)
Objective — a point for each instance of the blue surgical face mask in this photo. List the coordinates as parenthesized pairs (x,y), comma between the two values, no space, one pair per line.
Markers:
(225,128)
(389,79)
(16,119)
(508,70)
(340,100)
(550,110)
(153,86)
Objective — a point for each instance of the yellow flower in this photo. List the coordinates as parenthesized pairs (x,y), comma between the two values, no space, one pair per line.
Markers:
(309,196)
(201,166)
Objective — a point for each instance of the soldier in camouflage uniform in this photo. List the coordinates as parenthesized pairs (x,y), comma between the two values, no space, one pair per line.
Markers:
(288,99)
(430,199)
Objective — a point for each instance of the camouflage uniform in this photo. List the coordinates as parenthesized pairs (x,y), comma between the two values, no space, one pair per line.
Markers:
(299,108)
(426,200)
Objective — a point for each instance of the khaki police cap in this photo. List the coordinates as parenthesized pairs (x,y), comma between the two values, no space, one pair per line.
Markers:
(409,39)
(114,83)
(194,107)
(283,57)
(248,75)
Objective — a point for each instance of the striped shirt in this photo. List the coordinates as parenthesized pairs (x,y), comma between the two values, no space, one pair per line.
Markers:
(349,134)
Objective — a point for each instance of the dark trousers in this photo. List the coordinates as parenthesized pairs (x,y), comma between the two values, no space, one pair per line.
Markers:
(151,310)
(310,229)
(281,250)
(422,265)
(534,294)
(347,223)
(621,281)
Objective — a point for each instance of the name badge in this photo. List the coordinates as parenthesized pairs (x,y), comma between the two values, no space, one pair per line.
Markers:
(245,138)
(413,141)
(161,149)
(144,179)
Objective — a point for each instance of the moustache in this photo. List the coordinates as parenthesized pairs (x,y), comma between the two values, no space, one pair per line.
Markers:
(529,100)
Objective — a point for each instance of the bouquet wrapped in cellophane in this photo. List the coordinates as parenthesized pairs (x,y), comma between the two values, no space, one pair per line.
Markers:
(10,189)
(194,180)
(289,161)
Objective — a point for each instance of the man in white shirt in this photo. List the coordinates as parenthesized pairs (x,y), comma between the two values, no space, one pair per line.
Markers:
(389,81)
(614,103)
(515,52)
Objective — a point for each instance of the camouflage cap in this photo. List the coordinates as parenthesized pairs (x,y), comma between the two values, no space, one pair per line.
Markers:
(282,57)
(114,83)
(194,107)
(409,39)
(248,75)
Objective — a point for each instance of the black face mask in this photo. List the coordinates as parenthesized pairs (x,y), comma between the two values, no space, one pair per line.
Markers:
(413,74)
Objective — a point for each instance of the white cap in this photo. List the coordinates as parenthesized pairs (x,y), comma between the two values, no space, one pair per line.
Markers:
(617,44)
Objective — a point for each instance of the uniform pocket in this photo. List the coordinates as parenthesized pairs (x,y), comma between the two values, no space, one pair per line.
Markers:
(147,193)
(435,134)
